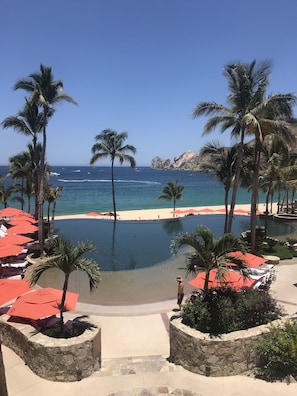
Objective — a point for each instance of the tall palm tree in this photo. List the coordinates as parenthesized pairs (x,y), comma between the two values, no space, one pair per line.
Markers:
(68,258)
(45,93)
(29,122)
(247,83)
(220,161)
(7,194)
(207,252)
(110,144)
(172,192)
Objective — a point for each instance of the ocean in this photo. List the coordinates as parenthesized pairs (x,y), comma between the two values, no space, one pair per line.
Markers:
(88,188)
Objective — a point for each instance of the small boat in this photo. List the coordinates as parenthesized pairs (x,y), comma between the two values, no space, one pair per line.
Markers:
(55,174)
(77,170)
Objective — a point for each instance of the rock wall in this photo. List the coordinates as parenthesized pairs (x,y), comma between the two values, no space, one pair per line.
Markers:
(189,160)
(229,354)
(54,359)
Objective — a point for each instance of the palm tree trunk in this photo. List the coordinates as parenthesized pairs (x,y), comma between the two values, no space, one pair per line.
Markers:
(254,201)
(3,386)
(62,305)
(226,210)
(113,191)
(236,182)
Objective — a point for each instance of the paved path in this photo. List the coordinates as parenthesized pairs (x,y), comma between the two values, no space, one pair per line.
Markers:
(135,345)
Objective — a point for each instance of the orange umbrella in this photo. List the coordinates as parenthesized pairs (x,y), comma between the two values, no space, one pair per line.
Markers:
(251,260)
(242,211)
(178,211)
(15,240)
(12,288)
(17,220)
(231,279)
(25,228)
(10,250)
(94,214)
(8,212)
(205,210)
(42,303)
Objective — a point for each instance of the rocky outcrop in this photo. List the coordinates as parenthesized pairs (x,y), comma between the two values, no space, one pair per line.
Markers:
(189,160)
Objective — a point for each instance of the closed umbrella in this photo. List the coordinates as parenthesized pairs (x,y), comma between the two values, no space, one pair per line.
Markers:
(12,288)
(42,303)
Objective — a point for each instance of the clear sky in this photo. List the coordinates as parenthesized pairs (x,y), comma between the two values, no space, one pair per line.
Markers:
(138,66)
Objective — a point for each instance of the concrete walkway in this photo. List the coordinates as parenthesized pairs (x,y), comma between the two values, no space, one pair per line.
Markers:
(135,346)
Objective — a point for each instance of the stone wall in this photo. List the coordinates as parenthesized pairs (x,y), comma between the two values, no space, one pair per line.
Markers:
(54,359)
(229,354)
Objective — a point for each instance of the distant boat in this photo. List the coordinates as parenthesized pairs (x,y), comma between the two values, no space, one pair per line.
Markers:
(55,174)
(77,170)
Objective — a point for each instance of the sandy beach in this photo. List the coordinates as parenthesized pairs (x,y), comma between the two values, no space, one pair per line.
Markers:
(166,213)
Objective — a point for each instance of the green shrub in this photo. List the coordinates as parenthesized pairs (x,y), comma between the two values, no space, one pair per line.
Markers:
(279,249)
(277,352)
(224,310)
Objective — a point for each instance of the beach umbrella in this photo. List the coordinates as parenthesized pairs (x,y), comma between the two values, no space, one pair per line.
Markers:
(242,211)
(20,220)
(95,214)
(10,250)
(191,211)
(251,260)
(177,211)
(10,212)
(231,279)
(12,288)
(42,303)
(25,228)
(205,210)
(15,239)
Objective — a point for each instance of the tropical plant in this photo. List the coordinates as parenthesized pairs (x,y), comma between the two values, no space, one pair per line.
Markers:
(172,192)
(68,258)
(207,252)
(110,144)
(220,161)
(45,93)
(250,112)
(277,352)
(224,310)
(51,195)
(7,194)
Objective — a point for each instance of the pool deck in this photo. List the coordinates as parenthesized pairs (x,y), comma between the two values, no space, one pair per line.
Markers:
(135,348)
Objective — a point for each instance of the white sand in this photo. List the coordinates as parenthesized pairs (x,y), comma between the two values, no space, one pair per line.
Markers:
(167,213)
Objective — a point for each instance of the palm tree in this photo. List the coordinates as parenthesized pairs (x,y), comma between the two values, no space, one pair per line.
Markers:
(29,122)
(7,194)
(247,84)
(172,192)
(220,161)
(68,258)
(45,93)
(207,252)
(110,144)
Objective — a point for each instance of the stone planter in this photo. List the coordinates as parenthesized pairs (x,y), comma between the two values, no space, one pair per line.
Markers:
(229,354)
(54,359)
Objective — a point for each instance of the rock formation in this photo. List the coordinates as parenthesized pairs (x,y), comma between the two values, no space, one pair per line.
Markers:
(189,160)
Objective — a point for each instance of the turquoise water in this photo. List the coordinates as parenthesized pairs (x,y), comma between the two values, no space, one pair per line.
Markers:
(87,189)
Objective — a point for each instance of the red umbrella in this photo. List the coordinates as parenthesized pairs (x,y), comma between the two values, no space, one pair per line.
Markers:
(26,228)
(251,260)
(177,211)
(241,211)
(205,210)
(15,240)
(8,212)
(191,211)
(95,214)
(42,303)
(10,250)
(231,279)
(17,220)
(12,288)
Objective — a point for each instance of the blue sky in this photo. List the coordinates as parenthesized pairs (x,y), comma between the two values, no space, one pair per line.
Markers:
(138,66)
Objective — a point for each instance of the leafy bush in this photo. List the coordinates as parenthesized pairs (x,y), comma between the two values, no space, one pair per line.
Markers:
(224,310)
(279,249)
(277,352)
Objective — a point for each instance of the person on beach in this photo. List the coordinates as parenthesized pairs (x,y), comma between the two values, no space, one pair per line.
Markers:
(180,292)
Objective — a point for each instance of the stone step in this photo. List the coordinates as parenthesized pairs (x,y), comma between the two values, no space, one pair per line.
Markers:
(135,365)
